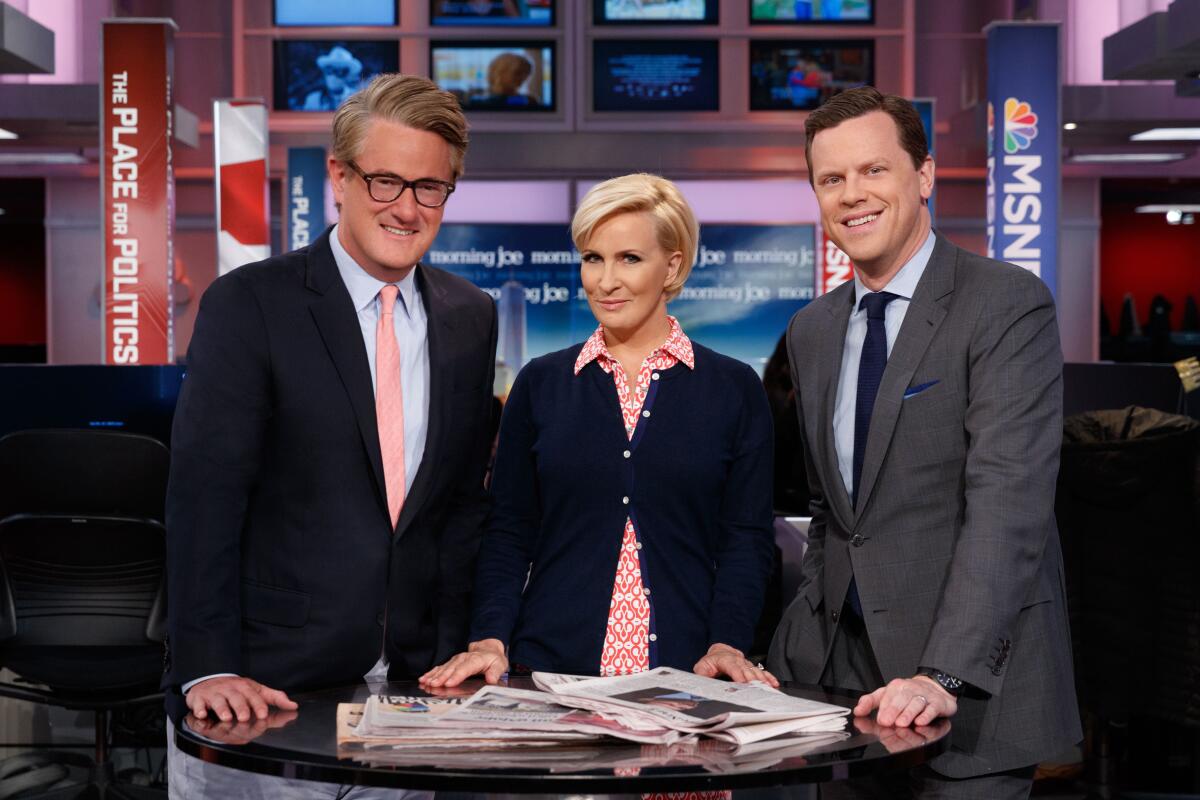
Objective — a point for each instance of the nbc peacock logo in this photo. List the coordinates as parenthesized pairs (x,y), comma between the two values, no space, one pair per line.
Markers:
(1020,125)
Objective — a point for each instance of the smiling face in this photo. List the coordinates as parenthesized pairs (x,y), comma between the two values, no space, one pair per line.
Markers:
(388,239)
(871,196)
(624,272)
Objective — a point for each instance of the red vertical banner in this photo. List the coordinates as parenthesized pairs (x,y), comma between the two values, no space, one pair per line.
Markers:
(137,189)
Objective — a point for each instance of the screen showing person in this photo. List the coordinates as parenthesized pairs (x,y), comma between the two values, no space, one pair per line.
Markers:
(624,12)
(496,76)
(312,75)
(803,75)
(491,12)
(324,13)
(655,75)
(813,11)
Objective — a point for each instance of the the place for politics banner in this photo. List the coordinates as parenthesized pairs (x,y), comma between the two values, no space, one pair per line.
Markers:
(1024,130)
(305,194)
(137,190)
(745,286)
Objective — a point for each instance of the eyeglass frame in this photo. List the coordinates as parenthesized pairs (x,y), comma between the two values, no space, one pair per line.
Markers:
(404,185)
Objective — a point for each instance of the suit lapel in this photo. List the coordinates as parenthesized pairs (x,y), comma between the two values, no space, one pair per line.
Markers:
(832,343)
(337,322)
(921,322)
(438,311)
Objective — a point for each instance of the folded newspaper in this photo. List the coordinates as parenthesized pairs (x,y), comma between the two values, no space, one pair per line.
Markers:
(663,706)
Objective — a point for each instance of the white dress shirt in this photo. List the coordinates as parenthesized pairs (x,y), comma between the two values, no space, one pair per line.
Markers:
(902,284)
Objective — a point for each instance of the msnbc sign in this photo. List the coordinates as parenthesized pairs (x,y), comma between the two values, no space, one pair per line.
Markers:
(1022,167)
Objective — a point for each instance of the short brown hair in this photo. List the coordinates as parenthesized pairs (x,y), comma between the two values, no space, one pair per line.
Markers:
(409,100)
(858,102)
(675,224)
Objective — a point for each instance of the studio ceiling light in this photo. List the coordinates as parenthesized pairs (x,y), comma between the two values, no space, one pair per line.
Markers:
(7,134)
(1163,208)
(1167,135)
(1126,158)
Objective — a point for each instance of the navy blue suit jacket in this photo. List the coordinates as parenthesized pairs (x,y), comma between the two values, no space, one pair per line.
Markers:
(699,486)
(283,563)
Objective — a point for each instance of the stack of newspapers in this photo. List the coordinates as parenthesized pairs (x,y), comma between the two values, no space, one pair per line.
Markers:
(682,714)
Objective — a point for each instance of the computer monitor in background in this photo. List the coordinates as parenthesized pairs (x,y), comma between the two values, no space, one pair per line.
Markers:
(130,399)
(810,12)
(670,12)
(655,75)
(479,13)
(495,75)
(801,75)
(323,13)
(319,74)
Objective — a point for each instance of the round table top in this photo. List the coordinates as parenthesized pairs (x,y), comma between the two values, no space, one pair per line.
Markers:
(303,745)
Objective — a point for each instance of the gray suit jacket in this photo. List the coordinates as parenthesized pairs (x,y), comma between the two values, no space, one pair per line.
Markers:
(954,544)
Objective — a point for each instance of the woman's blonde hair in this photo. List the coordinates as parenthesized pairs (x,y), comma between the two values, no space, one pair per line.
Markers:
(507,72)
(675,225)
(409,100)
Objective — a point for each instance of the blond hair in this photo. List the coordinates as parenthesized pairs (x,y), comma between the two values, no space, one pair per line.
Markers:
(408,100)
(507,72)
(675,225)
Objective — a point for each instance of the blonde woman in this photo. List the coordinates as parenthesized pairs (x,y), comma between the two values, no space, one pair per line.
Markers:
(632,490)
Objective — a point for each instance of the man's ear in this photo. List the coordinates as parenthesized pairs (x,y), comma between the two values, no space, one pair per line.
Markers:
(926,174)
(337,172)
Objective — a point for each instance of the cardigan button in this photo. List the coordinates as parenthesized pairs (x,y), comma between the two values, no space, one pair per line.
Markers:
(625,500)
(654,637)
(646,592)
(654,376)
(627,454)
(638,545)
(645,413)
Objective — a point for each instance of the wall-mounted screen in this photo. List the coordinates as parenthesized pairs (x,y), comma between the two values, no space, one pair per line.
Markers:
(800,75)
(325,13)
(495,75)
(655,75)
(837,12)
(312,75)
(638,12)
(491,12)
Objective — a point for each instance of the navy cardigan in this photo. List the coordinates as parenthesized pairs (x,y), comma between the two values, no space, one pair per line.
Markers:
(697,482)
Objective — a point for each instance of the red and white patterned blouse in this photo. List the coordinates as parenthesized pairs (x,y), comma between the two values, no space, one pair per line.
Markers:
(627,639)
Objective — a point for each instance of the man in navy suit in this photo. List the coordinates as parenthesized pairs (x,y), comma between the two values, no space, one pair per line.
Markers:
(302,553)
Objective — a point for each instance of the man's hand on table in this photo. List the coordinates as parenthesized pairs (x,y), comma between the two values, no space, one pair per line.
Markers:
(908,701)
(232,698)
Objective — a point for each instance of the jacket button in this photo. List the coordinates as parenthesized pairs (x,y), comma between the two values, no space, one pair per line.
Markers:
(836,614)
(996,670)
(857,540)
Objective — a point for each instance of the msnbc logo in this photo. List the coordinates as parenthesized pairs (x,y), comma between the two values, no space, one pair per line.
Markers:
(1020,125)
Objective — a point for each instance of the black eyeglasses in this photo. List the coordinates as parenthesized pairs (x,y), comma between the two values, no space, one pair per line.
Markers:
(386,188)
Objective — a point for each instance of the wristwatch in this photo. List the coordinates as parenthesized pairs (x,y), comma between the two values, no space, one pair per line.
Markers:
(948,682)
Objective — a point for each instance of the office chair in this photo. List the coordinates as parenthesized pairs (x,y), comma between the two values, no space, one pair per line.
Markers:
(82,594)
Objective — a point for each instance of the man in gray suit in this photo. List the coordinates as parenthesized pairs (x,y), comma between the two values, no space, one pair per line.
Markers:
(929,391)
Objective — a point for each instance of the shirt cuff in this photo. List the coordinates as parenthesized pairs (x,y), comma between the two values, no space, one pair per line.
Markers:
(187,686)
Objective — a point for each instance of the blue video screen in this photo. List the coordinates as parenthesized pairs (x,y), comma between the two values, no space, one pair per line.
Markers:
(324,13)
(813,12)
(482,13)
(318,75)
(655,75)
(801,75)
(495,75)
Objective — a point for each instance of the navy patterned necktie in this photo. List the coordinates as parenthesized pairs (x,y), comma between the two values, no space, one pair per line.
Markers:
(870,372)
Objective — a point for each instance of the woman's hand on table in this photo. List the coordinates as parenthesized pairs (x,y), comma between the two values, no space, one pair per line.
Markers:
(485,657)
(721,659)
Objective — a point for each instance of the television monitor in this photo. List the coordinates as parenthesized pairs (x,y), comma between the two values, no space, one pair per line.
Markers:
(655,75)
(800,75)
(495,75)
(492,12)
(813,12)
(130,399)
(310,13)
(317,75)
(655,12)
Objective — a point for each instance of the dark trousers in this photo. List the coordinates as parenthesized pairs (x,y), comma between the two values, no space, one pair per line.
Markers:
(852,665)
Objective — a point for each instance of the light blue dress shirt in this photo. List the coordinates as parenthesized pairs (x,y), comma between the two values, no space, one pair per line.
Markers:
(412,334)
(902,284)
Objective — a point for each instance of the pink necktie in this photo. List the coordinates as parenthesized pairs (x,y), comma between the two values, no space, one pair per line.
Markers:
(389,402)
